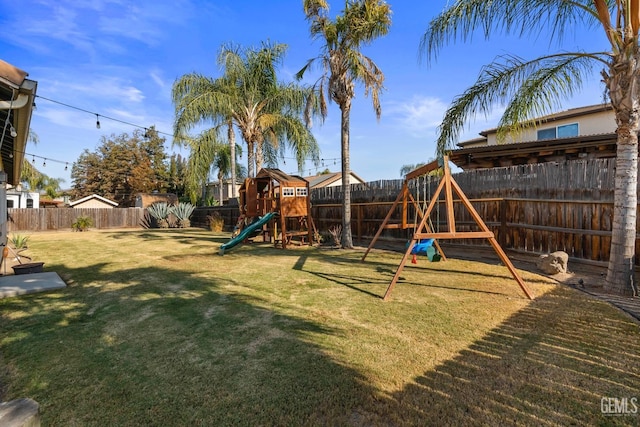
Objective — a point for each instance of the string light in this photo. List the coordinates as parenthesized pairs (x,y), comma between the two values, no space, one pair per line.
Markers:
(102,116)
(44,164)
(66,166)
(12,131)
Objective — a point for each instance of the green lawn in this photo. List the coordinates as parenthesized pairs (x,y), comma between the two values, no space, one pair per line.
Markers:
(156,328)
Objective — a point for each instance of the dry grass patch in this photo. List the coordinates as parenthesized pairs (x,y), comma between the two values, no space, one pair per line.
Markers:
(159,329)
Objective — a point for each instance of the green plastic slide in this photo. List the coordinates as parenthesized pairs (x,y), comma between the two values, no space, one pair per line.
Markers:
(247,232)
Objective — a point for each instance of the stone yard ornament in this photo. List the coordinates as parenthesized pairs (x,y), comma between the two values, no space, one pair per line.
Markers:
(553,263)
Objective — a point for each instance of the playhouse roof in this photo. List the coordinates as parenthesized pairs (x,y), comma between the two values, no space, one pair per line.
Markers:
(282,178)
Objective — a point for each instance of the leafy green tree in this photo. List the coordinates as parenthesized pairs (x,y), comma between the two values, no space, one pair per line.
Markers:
(250,97)
(176,179)
(122,167)
(531,88)
(344,65)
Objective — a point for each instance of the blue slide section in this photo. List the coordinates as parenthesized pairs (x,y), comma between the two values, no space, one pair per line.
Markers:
(247,232)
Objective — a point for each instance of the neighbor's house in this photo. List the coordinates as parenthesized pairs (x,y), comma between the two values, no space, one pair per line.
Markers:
(17,94)
(577,133)
(212,189)
(93,202)
(18,198)
(331,179)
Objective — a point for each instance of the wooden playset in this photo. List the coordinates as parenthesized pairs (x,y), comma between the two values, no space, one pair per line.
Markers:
(286,198)
(424,230)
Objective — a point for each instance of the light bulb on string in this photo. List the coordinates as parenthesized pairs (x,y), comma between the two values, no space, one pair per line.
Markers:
(44,163)
(97,121)
(33,160)
(66,166)
(13,131)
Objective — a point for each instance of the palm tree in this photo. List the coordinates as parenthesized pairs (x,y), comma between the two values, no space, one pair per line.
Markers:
(223,164)
(531,88)
(203,150)
(344,65)
(249,96)
(405,169)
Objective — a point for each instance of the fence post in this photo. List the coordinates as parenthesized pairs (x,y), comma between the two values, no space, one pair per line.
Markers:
(502,238)
(359,222)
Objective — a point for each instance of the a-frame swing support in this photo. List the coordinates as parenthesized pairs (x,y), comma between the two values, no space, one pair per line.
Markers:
(423,231)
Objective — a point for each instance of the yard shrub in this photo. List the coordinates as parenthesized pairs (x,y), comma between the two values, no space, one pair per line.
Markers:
(160,212)
(82,223)
(216,222)
(183,212)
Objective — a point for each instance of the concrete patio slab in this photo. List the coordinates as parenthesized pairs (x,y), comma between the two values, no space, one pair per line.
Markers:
(21,284)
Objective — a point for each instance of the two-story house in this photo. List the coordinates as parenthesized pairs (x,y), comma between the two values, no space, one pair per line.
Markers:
(577,133)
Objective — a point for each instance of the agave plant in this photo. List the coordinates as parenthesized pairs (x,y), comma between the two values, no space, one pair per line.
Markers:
(160,211)
(182,212)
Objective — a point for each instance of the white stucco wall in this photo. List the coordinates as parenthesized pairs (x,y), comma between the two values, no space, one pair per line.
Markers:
(20,199)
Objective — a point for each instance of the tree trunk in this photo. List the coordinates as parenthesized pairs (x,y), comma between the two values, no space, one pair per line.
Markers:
(346,240)
(251,160)
(231,136)
(259,156)
(623,84)
(220,191)
(620,273)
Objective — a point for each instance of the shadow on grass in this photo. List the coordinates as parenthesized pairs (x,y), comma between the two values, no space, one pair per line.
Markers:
(153,346)
(549,364)
(156,346)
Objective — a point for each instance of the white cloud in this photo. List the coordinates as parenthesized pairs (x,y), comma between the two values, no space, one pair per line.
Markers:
(419,116)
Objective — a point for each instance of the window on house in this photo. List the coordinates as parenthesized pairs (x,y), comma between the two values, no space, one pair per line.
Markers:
(564,131)
(9,204)
(288,192)
(301,191)
(30,203)
(568,130)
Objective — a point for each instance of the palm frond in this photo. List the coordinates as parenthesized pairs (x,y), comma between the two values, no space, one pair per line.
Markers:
(528,88)
(466,18)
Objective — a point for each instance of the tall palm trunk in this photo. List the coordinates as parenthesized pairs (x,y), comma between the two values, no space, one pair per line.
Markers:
(623,85)
(251,160)
(231,136)
(346,239)
(620,274)
(259,155)
(220,189)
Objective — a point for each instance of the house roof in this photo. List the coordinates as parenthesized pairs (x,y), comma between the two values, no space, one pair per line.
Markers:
(585,146)
(280,176)
(326,179)
(17,94)
(93,196)
(562,115)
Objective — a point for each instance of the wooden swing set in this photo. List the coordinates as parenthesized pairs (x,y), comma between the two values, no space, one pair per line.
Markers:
(424,230)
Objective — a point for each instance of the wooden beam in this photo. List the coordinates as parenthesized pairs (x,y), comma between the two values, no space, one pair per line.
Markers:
(422,170)
(455,235)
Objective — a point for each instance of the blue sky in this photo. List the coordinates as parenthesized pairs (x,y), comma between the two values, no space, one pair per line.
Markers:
(119,58)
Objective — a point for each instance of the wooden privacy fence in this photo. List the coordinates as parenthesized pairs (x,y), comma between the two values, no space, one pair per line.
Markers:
(52,219)
(580,228)
(536,208)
